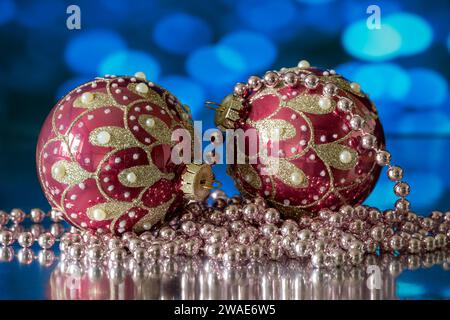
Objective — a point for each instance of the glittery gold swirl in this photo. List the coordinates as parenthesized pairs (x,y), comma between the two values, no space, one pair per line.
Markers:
(274,128)
(154,215)
(267,91)
(342,84)
(120,138)
(74,174)
(330,155)
(184,111)
(150,95)
(143,176)
(286,172)
(100,100)
(112,209)
(249,174)
(309,103)
(159,130)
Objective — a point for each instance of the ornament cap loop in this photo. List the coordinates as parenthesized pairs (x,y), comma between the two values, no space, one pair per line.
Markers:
(228,113)
(197,181)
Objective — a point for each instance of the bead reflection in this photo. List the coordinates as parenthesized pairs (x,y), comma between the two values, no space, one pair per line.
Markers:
(200,279)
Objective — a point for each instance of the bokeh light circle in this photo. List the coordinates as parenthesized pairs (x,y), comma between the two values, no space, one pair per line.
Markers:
(415,32)
(399,34)
(181,33)
(86,50)
(383,81)
(216,65)
(128,62)
(258,51)
(373,45)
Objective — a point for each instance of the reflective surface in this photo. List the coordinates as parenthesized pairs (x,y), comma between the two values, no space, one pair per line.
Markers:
(403,277)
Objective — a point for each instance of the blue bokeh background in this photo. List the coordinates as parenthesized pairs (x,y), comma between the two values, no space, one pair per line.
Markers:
(200,49)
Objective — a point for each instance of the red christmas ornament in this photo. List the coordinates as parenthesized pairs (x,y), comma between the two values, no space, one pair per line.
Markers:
(325,126)
(104,156)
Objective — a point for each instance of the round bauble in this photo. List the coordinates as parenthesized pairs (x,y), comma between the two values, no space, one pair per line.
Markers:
(104,156)
(328,132)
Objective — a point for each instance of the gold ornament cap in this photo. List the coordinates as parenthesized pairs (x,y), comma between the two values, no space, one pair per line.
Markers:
(228,112)
(197,181)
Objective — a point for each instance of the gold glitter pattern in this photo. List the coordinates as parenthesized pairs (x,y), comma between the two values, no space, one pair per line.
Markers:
(73,173)
(151,95)
(120,138)
(285,171)
(145,176)
(154,216)
(100,100)
(158,129)
(310,104)
(330,154)
(249,174)
(271,128)
(112,209)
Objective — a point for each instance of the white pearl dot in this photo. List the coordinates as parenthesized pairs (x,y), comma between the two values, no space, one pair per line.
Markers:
(59,171)
(131,177)
(303,64)
(99,214)
(142,88)
(345,156)
(87,97)
(150,122)
(103,137)
(296,178)
(140,75)
(147,226)
(355,87)
(324,103)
